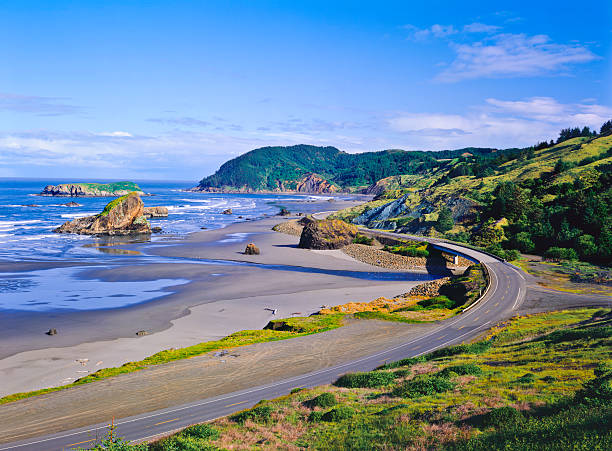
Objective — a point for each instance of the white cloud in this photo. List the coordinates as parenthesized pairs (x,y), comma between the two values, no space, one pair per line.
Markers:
(443,31)
(513,55)
(41,106)
(478,27)
(498,123)
(117,134)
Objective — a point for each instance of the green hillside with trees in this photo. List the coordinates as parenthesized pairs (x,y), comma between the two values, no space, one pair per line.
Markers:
(552,199)
(269,168)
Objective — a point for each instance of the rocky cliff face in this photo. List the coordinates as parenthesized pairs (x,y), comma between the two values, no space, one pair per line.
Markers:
(310,183)
(91,189)
(327,234)
(122,216)
(313,183)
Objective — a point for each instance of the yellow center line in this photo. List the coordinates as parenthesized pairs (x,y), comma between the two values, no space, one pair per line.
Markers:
(78,443)
(167,421)
(476,319)
(461,327)
(487,311)
(237,403)
(496,304)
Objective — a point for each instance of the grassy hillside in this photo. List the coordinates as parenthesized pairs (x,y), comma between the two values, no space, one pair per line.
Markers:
(271,168)
(534,201)
(537,382)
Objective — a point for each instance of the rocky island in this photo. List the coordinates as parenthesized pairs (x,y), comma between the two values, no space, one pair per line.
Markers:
(92,189)
(122,216)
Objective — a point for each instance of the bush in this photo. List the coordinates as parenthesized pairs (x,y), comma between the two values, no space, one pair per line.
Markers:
(503,417)
(203,431)
(365,380)
(527,378)
(338,414)
(438,302)
(258,414)
(474,348)
(560,253)
(323,400)
(362,239)
(461,370)
(512,254)
(599,388)
(315,416)
(403,362)
(408,251)
(423,386)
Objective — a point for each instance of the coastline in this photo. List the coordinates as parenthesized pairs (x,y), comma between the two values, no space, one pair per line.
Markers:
(198,311)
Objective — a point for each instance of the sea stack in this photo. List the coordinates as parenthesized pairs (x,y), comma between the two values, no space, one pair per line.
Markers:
(122,216)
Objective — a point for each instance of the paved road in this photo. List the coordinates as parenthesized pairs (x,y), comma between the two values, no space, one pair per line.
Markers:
(505,294)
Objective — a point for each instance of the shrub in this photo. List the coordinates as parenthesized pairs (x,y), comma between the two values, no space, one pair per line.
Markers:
(503,417)
(315,416)
(438,302)
(403,362)
(423,386)
(560,253)
(258,414)
(338,414)
(362,239)
(402,373)
(365,380)
(599,388)
(527,378)
(202,431)
(461,370)
(408,251)
(474,348)
(512,254)
(323,400)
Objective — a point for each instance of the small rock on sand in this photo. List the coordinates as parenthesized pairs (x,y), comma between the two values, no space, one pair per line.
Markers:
(51,332)
(251,249)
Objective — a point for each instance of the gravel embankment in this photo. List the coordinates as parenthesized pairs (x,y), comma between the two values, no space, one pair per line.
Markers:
(290,227)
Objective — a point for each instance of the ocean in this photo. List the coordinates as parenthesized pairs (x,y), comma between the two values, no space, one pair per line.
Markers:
(26,234)
(27,220)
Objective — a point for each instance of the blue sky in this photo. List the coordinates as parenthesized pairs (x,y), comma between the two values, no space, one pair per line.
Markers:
(170,90)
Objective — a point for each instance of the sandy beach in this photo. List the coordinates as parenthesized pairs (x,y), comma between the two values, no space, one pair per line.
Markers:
(227,292)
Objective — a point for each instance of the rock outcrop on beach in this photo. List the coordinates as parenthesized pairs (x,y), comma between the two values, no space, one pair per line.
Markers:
(227,212)
(91,189)
(251,249)
(327,234)
(155,212)
(122,216)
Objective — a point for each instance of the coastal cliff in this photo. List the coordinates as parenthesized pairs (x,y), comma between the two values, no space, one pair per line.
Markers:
(122,216)
(92,189)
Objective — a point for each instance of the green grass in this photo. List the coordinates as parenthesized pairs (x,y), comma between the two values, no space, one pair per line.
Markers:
(301,326)
(538,382)
(112,204)
(387,317)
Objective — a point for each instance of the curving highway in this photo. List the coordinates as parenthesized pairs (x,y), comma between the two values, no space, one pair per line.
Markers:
(506,291)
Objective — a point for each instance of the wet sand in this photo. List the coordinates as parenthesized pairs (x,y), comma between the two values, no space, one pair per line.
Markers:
(220,299)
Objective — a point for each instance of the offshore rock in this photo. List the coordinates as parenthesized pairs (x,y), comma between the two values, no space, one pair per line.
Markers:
(155,212)
(91,189)
(227,212)
(122,216)
(327,234)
